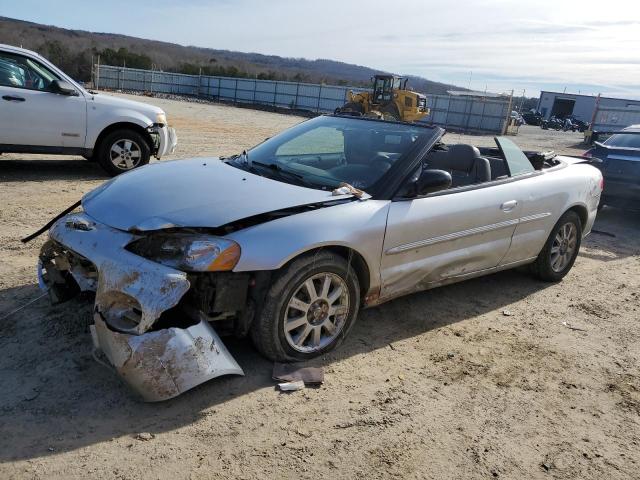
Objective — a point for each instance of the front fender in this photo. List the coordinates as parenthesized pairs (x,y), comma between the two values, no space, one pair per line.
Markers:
(99,120)
(358,225)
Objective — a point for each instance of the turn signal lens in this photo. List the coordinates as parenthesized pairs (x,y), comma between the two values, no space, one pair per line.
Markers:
(226,260)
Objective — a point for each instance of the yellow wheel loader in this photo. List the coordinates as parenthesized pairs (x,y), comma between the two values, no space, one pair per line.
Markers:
(390,100)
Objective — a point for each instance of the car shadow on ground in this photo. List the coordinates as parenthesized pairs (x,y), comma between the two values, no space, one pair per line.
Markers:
(55,396)
(38,169)
(47,354)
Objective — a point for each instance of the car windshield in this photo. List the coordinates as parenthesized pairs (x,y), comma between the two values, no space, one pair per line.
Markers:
(327,150)
(624,140)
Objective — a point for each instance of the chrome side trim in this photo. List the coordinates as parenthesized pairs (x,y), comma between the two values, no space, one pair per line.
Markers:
(465,233)
(450,236)
(532,218)
(630,158)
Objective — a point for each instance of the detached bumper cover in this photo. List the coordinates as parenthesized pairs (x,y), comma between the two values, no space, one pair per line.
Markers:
(162,364)
(131,294)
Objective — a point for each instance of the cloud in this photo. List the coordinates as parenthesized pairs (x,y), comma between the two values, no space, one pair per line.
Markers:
(507,44)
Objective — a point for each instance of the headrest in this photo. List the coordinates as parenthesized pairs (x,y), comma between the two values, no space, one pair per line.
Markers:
(462,156)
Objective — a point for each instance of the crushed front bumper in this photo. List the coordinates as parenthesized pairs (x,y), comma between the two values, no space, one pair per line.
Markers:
(132,293)
(167,140)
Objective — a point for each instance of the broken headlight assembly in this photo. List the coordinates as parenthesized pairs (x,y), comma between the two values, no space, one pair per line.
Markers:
(188,252)
(161,119)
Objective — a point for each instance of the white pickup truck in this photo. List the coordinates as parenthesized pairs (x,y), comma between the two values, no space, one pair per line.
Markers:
(42,110)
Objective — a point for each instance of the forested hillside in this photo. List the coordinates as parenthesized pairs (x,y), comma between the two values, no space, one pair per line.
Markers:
(73,51)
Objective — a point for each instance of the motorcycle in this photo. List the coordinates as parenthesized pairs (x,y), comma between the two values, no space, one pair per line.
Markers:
(553,123)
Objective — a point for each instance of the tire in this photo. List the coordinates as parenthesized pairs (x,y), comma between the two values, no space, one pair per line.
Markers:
(268,331)
(390,112)
(547,267)
(108,156)
(351,108)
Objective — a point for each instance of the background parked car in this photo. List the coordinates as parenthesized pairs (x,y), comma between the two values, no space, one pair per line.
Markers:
(532,118)
(620,155)
(45,111)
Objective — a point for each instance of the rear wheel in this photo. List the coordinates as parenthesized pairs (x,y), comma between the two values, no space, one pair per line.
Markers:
(560,252)
(122,151)
(309,309)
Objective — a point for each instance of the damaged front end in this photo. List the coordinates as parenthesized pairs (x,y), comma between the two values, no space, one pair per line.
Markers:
(152,318)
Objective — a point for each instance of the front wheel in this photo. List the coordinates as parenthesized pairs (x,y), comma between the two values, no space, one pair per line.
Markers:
(309,309)
(559,253)
(122,151)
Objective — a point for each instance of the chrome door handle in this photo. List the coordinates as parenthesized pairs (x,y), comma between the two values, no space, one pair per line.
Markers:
(10,98)
(508,206)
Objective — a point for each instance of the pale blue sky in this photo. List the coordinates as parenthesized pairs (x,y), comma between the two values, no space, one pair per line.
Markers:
(583,45)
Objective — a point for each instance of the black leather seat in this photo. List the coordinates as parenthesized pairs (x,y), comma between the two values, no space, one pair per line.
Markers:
(463,162)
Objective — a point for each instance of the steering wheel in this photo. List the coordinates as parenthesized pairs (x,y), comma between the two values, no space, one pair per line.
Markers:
(381,162)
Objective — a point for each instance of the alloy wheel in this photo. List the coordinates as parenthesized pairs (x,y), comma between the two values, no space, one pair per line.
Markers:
(564,247)
(316,312)
(125,154)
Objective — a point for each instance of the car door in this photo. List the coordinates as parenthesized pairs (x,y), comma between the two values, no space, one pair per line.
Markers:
(449,234)
(32,115)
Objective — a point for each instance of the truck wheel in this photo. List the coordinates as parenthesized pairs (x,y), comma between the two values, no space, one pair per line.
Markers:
(560,252)
(390,112)
(123,150)
(351,108)
(309,309)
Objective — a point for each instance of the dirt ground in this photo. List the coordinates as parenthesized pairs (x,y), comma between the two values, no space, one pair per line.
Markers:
(482,379)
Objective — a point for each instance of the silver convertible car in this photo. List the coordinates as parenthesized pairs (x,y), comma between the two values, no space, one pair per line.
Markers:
(287,241)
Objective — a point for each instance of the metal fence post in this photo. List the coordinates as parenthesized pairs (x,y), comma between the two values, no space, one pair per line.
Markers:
(446,116)
(484,104)
(98,74)
(275,93)
(295,105)
(508,117)
(468,105)
(255,87)
(319,97)
(235,92)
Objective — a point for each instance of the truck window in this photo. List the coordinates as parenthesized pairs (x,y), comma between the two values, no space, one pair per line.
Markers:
(23,72)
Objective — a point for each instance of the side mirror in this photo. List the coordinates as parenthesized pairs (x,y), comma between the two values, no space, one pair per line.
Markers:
(430,181)
(62,88)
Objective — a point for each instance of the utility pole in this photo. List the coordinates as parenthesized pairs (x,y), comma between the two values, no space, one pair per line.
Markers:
(97,73)
(521,102)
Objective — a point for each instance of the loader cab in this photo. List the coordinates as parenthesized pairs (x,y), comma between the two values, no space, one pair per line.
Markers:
(384,85)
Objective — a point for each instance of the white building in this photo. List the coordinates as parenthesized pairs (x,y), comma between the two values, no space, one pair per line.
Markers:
(580,106)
